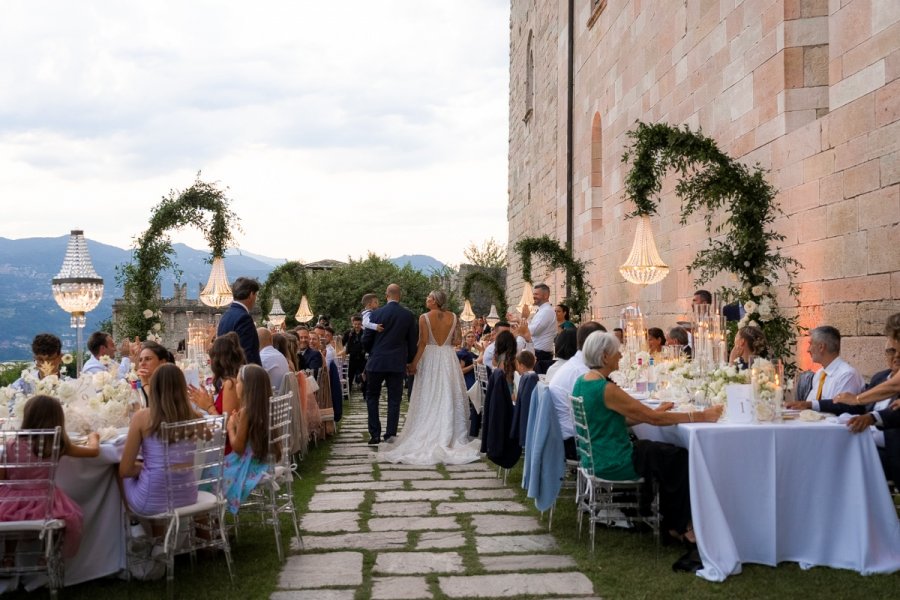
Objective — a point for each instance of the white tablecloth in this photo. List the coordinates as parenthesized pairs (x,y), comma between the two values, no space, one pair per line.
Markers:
(811,493)
(91,482)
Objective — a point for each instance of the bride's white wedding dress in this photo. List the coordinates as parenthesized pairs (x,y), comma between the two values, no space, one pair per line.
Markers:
(435,430)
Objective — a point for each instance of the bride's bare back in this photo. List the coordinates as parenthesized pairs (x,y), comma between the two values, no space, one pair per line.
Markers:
(442,325)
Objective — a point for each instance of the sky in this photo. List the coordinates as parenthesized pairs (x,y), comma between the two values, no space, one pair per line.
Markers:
(338,128)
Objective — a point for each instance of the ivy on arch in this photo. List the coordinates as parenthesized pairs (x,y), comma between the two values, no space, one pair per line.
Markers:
(744,243)
(557,257)
(204,206)
(288,283)
(498,294)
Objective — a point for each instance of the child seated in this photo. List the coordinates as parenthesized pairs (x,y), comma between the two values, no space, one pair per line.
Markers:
(525,361)
(43,412)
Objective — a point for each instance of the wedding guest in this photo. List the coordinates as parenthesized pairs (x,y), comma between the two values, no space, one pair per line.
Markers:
(609,412)
(890,417)
(325,337)
(238,319)
(480,327)
(273,361)
(310,357)
(542,327)
(101,345)
(225,360)
(620,334)
(525,363)
(527,381)
(467,358)
(286,343)
(565,345)
(749,341)
(562,318)
(43,412)
(497,418)
(356,352)
(150,358)
(248,434)
(656,339)
(564,382)
(678,336)
(487,357)
(369,304)
(836,375)
(144,482)
(46,351)
(701,297)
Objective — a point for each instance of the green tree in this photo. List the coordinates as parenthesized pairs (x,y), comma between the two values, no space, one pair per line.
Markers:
(490,254)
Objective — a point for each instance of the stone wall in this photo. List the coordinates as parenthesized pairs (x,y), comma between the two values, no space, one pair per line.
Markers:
(808,89)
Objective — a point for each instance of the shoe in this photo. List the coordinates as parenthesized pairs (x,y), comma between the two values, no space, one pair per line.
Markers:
(688,563)
(374,441)
(390,439)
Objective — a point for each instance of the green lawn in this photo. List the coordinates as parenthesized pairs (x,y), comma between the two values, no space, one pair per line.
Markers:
(630,565)
(256,565)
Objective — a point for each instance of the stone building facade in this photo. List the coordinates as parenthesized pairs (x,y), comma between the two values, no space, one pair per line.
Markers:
(808,89)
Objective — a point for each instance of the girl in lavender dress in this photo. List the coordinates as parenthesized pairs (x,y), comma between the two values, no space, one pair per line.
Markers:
(144,481)
(43,412)
(248,430)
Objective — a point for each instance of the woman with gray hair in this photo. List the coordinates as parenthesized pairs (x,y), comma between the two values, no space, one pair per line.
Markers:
(610,411)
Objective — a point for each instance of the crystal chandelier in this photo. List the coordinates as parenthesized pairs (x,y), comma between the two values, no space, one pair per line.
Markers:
(527,297)
(217,292)
(304,314)
(276,314)
(467,315)
(492,317)
(644,265)
(77,288)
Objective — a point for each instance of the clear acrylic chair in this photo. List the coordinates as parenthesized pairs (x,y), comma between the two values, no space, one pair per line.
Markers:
(604,500)
(194,457)
(274,495)
(28,460)
(344,366)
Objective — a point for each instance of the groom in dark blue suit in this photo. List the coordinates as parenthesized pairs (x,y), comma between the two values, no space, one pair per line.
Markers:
(390,353)
(237,318)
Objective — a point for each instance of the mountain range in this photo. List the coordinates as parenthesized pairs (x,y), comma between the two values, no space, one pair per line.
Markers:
(27,265)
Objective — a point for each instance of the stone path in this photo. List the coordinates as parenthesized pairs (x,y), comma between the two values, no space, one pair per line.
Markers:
(380,531)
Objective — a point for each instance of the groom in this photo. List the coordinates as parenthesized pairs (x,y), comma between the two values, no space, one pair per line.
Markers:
(390,352)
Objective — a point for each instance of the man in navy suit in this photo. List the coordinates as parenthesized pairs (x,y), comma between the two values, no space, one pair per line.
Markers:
(390,353)
(237,318)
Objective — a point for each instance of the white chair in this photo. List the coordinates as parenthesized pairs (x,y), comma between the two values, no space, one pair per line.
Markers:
(481,376)
(274,495)
(603,499)
(344,366)
(28,460)
(193,457)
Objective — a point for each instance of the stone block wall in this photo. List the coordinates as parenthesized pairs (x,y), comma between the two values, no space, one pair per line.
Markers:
(807,89)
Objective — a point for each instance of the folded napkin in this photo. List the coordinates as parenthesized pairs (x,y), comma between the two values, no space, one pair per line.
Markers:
(810,415)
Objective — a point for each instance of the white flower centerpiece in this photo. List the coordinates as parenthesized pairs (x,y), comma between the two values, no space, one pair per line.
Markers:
(766,391)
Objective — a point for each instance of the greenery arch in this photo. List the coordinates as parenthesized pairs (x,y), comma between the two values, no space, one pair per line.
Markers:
(497,292)
(557,257)
(288,283)
(204,206)
(712,181)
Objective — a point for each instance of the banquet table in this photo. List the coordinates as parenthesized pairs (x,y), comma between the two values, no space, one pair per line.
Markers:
(811,493)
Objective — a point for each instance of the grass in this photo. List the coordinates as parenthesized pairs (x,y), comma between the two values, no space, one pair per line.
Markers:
(630,565)
(255,559)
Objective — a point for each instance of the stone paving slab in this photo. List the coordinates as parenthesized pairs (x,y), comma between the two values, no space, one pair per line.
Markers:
(322,570)
(515,584)
(473,475)
(324,522)
(401,509)
(352,451)
(413,524)
(475,466)
(527,562)
(457,483)
(401,588)
(348,469)
(386,466)
(499,493)
(494,524)
(439,540)
(379,540)
(314,595)
(348,477)
(402,563)
(411,496)
(512,544)
(455,508)
(336,501)
(411,475)
(352,460)
(362,485)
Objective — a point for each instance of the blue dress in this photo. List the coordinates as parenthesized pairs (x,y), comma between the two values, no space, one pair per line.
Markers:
(242,475)
(467,359)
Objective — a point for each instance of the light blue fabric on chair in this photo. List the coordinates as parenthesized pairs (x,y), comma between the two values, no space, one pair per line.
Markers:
(545,459)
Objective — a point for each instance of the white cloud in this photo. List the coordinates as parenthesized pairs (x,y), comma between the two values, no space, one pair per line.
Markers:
(338,127)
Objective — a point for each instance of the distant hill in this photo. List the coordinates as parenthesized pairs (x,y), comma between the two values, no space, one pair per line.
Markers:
(419,262)
(27,265)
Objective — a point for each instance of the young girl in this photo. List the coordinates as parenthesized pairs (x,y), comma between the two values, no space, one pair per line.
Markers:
(248,430)
(144,482)
(44,412)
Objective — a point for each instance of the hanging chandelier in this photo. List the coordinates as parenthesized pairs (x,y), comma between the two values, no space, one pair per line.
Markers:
(527,297)
(492,317)
(217,292)
(304,314)
(77,288)
(276,314)
(644,265)
(467,315)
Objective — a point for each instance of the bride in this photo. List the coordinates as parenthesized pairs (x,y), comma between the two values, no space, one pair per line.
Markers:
(435,430)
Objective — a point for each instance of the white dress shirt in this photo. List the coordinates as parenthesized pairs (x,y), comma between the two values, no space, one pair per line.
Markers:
(840,376)
(329,355)
(557,364)
(489,351)
(561,388)
(275,364)
(543,327)
(93,365)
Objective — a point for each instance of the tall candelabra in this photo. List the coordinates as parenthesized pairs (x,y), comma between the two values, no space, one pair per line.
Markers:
(631,320)
(709,349)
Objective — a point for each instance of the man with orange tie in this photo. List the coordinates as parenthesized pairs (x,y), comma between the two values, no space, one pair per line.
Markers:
(836,375)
